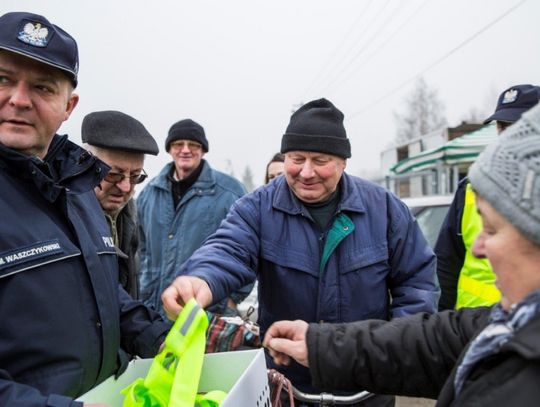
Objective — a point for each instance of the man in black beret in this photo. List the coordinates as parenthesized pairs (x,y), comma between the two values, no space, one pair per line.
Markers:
(66,322)
(324,245)
(179,209)
(121,142)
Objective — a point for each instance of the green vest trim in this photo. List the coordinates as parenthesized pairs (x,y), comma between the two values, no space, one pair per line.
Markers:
(476,284)
(341,228)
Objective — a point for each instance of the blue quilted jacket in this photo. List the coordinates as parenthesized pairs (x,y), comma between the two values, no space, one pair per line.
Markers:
(372,262)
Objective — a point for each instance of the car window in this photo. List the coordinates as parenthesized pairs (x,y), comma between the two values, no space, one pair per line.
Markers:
(430,219)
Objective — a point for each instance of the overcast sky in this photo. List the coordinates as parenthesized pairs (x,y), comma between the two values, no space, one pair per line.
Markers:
(240,67)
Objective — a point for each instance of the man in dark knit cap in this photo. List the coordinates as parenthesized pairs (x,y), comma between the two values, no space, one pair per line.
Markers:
(324,245)
(121,142)
(179,209)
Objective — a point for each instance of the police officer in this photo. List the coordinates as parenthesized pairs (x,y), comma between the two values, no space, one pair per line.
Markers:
(65,320)
(121,142)
(467,281)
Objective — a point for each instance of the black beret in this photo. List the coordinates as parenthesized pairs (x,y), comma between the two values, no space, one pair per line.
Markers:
(117,131)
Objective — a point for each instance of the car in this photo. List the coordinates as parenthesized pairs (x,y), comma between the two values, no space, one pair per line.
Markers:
(430,212)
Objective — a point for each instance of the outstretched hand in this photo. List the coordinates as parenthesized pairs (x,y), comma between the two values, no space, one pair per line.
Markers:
(183,289)
(287,339)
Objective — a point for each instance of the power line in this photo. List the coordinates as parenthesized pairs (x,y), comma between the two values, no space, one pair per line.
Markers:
(438,61)
(360,37)
(362,49)
(331,58)
(403,25)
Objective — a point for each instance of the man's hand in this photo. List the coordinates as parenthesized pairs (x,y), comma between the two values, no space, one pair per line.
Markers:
(181,291)
(286,339)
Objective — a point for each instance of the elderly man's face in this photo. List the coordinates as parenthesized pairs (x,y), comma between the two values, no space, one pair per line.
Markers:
(313,177)
(187,156)
(113,196)
(513,257)
(34,101)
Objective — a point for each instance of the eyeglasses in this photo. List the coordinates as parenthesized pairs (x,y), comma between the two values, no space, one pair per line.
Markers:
(116,177)
(190,144)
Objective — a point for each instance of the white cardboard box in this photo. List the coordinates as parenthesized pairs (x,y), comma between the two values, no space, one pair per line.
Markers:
(242,374)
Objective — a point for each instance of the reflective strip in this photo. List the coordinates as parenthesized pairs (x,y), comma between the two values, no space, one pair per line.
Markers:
(39,265)
(474,293)
(189,320)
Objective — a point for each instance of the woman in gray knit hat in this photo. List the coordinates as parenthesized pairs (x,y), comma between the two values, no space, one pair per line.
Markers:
(474,356)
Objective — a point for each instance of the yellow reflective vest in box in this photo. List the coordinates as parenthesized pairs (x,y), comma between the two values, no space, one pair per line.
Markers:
(476,284)
(173,378)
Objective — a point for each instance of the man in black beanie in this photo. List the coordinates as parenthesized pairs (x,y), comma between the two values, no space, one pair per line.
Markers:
(179,209)
(120,141)
(324,245)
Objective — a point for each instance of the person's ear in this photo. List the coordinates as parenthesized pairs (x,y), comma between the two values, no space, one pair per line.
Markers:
(70,105)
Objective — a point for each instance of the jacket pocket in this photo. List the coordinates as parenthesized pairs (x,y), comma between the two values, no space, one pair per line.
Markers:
(363,276)
(364,257)
(290,257)
(33,255)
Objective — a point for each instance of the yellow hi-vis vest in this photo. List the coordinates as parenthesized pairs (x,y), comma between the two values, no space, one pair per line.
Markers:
(173,378)
(476,284)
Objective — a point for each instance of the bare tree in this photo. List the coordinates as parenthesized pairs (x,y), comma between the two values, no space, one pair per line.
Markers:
(247,179)
(424,112)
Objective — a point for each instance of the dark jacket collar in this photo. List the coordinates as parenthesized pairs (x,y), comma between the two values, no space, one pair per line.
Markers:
(65,167)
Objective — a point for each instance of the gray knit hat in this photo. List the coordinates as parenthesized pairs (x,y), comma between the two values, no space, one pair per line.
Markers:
(507,174)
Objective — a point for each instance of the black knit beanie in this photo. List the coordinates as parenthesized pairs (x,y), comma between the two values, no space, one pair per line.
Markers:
(317,126)
(186,129)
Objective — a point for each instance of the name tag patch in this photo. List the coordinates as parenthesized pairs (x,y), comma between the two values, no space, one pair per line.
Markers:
(29,253)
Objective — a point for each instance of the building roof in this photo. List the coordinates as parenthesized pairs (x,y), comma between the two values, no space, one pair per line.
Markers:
(463,149)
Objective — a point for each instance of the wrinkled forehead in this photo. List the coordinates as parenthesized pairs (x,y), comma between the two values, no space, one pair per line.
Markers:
(117,158)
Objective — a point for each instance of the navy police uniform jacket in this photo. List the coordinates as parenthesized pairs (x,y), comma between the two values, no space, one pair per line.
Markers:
(372,262)
(65,319)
